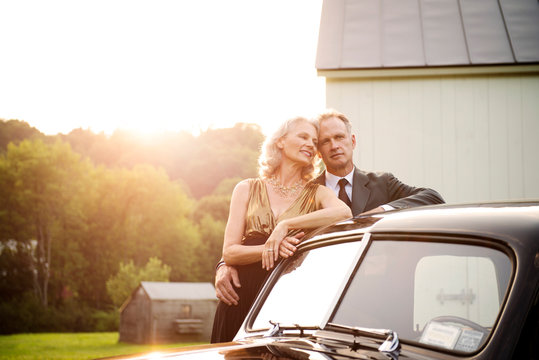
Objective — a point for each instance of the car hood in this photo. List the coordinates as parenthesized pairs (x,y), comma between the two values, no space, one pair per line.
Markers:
(293,348)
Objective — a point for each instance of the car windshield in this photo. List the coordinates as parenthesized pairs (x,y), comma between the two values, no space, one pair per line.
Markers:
(309,286)
(440,294)
(431,292)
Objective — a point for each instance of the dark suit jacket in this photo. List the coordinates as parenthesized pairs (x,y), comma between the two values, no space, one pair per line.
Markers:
(370,190)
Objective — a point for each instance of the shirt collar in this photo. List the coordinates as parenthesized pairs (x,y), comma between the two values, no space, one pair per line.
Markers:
(332,180)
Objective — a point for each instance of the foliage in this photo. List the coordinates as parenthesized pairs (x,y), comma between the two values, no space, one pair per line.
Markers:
(200,162)
(74,207)
(155,270)
(14,131)
(226,186)
(211,214)
(215,206)
(15,269)
(212,233)
(121,285)
(41,192)
(26,314)
(106,320)
(228,153)
(67,225)
(136,214)
(78,346)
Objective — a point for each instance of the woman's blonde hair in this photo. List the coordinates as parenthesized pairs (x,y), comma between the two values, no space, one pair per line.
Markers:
(270,156)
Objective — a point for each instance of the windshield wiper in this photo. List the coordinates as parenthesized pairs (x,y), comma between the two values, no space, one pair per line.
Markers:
(278,329)
(390,345)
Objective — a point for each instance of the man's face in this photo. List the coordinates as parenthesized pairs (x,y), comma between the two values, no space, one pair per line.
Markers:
(336,146)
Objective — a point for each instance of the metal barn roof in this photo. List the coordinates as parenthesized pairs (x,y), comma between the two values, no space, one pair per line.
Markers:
(356,34)
(178,290)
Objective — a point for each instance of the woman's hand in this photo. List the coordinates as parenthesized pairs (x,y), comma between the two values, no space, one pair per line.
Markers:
(288,245)
(270,254)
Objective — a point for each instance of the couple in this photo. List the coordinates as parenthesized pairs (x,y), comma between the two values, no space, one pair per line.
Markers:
(269,215)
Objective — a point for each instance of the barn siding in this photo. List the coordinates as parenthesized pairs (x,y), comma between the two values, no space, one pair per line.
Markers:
(473,138)
(149,315)
(135,319)
(164,312)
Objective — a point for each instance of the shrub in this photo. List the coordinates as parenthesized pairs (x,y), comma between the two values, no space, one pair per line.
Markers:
(105,321)
(26,315)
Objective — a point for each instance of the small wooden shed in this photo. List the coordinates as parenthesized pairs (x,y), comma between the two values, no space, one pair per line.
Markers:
(161,312)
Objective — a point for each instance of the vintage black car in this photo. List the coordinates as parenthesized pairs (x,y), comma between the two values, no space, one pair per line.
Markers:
(440,282)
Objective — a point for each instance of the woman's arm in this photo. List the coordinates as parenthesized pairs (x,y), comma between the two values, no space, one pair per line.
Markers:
(333,209)
(234,253)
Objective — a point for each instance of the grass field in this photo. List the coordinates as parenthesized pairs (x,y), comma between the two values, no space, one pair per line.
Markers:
(76,346)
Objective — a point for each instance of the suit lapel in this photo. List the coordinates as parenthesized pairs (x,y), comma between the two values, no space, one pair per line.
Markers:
(360,193)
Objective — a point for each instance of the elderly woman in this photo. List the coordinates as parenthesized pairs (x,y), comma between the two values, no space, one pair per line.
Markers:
(264,211)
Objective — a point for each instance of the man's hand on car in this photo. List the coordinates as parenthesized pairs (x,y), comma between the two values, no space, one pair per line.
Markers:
(225,277)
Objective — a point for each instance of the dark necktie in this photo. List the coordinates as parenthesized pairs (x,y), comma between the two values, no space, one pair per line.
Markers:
(342,192)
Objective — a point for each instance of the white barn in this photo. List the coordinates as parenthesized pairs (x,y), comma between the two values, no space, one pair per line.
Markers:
(443,93)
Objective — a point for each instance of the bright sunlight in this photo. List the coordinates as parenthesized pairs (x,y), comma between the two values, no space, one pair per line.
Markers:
(157,66)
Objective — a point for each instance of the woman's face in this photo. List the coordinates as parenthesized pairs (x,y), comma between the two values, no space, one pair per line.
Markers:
(299,144)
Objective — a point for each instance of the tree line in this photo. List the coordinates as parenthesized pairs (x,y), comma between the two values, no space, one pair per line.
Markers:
(84,216)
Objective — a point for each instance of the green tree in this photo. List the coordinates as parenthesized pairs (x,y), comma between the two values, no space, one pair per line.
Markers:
(212,234)
(134,215)
(222,154)
(201,162)
(121,285)
(216,206)
(71,214)
(211,215)
(226,186)
(14,131)
(44,195)
(15,270)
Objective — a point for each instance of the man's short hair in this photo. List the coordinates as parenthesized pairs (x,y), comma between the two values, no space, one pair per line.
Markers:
(330,113)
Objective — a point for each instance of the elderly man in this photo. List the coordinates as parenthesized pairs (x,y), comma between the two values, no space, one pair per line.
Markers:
(365,192)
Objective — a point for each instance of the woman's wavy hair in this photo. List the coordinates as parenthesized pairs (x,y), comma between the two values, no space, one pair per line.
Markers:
(270,156)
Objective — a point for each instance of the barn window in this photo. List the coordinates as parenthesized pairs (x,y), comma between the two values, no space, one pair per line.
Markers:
(186,311)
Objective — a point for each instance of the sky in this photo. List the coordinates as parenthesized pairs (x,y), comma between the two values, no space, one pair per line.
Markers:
(159,65)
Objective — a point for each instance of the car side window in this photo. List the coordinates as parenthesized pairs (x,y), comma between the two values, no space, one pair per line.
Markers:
(456,300)
(442,294)
(463,286)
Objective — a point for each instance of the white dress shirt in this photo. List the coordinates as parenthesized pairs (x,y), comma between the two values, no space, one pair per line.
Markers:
(332,182)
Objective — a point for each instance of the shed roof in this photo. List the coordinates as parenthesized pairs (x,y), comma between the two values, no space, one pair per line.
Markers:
(357,34)
(178,290)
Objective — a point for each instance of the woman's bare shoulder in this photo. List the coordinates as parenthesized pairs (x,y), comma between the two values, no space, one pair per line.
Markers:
(323,190)
(242,188)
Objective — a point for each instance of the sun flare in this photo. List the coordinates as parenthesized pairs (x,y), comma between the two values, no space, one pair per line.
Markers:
(156,66)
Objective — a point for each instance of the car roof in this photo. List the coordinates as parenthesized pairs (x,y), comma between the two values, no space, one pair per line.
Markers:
(513,222)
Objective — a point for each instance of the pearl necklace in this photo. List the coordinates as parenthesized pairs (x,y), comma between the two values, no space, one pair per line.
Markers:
(285,191)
